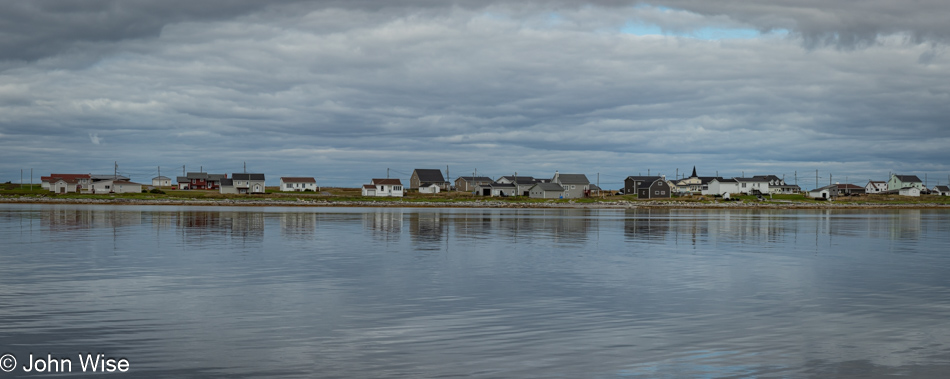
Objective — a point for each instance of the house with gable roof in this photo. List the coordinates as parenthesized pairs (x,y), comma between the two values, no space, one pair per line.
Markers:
(875,187)
(383,188)
(898,182)
(425,178)
(575,185)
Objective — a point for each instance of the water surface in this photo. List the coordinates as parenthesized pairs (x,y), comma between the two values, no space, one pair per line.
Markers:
(363,292)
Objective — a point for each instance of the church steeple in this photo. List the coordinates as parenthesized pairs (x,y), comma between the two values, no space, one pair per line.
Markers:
(694,173)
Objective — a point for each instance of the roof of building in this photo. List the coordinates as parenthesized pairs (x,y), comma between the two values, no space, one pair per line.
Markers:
(227,182)
(752,179)
(369,186)
(876,182)
(126,182)
(573,178)
(548,187)
(502,185)
(823,188)
(594,187)
(54,177)
(297,180)
(217,176)
(649,179)
(247,176)
(396,182)
(475,178)
(161,178)
(849,186)
(182,179)
(98,177)
(197,175)
(429,175)
(767,177)
(908,178)
(942,188)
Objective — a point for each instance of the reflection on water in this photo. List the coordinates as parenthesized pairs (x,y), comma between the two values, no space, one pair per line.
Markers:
(323,292)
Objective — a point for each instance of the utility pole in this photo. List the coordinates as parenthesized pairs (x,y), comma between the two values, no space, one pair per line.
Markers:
(182,170)
(816,179)
(387,172)
(31,179)
(115,174)
(245,167)
(21,178)
(796,177)
(677,173)
(159,175)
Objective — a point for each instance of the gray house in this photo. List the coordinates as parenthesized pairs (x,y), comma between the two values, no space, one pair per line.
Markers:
(546,191)
(243,183)
(468,183)
(633,183)
(659,189)
(575,185)
(422,177)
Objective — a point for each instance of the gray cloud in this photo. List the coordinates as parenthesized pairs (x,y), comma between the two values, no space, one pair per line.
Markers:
(345,90)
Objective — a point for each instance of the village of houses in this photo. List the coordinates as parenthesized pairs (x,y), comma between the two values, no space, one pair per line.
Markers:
(558,186)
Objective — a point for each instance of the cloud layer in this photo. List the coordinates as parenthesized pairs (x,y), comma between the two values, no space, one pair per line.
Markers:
(344,90)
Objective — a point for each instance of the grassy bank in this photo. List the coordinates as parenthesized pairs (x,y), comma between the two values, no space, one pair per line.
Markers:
(349,195)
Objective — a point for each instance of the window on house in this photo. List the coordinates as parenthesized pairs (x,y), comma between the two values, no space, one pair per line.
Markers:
(743,185)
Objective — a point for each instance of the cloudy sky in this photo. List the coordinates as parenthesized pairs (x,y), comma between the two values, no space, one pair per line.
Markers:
(343,90)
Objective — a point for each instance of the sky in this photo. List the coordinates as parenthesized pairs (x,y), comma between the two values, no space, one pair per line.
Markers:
(346,91)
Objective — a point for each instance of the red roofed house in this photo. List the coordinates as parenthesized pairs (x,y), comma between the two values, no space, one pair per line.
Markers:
(383,188)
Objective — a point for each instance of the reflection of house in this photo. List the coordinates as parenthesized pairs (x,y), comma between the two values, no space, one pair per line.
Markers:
(242,183)
(875,187)
(468,183)
(383,188)
(422,177)
(660,188)
(161,181)
(298,184)
(546,191)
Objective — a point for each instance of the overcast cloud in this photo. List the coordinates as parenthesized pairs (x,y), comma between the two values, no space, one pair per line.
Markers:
(343,90)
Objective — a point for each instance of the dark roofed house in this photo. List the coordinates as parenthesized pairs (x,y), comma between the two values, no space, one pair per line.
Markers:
(546,191)
(243,183)
(633,183)
(422,177)
(941,190)
(898,182)
(659,189)
(468,183)
(575,185)
(200,181)
(849,189)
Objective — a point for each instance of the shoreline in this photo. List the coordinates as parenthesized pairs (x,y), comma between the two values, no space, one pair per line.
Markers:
(621,204)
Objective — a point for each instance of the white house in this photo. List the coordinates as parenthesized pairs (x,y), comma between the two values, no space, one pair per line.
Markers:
(826,192)
(298,184)
(115,186)
(429,188)
(720,186)
(875,187)
(909,191)
(161,181)
(384,188)
(899,182)
(941,190)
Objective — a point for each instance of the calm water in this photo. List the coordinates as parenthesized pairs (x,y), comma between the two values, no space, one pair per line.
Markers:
(422,293)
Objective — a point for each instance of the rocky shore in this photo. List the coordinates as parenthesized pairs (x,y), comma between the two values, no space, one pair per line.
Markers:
(622,204)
